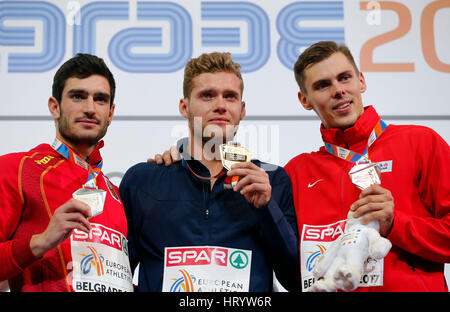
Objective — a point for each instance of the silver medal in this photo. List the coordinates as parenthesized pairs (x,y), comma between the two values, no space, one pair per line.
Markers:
(364,175)
(95,198)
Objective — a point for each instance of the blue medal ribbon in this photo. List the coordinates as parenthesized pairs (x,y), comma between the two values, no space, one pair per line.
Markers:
(354,157)
(73,157)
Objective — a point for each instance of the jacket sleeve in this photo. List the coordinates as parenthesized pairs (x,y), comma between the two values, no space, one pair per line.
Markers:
(126,194)
(280,233)
(15,254)
(427,235)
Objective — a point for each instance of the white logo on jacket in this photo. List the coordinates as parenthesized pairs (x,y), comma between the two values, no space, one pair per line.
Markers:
(312,184)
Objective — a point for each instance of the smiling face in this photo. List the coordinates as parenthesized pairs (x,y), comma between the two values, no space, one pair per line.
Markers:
(215,102)
(333,90)
(84,113)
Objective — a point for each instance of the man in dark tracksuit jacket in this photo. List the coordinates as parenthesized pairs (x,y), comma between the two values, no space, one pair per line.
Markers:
(169,206)
(189,228)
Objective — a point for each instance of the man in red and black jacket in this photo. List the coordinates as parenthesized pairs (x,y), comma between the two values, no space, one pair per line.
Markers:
(50,241)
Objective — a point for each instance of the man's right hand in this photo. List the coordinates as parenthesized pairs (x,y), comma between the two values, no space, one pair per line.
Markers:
(72,215)
(167,158)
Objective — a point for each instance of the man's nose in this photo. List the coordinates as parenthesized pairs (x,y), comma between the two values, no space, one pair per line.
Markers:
(220,104)
(89,105)
(338,91)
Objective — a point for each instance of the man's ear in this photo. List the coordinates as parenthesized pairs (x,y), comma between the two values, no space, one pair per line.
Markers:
(54,108)
(111,113)
(304,100)
(243,113)
(184,107)
(362,81)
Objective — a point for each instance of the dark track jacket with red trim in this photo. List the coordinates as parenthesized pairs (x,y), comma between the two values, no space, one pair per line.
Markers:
(169,207)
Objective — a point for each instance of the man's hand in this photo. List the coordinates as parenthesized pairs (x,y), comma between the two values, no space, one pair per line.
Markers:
(254,183)
(69,216)
(167,158)
(376,203)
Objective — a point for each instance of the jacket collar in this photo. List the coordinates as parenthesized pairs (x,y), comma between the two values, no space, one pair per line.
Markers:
(354,138)
(94,158)
(195,167)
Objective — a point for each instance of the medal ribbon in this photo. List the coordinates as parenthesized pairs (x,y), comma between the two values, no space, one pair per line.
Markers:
(228,183)
(221,173)
(351,156)
(73,157)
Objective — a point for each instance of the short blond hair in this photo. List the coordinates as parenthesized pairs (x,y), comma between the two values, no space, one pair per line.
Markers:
(214,62)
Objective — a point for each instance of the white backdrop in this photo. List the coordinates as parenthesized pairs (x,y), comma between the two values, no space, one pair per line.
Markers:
(402,48)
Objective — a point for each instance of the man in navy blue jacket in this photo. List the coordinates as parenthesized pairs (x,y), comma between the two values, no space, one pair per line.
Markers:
(190,228)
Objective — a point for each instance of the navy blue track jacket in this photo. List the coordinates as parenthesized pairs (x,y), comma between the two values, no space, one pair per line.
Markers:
(169,207)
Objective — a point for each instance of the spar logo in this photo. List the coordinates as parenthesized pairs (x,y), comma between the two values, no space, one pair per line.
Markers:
(185,283)
(92,260)
(102,235)
(239,259)
(324,233)
(197,256)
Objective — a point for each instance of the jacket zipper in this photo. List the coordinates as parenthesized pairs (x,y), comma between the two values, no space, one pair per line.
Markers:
(343,192)
(205,200)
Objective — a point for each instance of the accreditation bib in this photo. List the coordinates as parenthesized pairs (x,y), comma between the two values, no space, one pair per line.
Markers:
(206,268)
(316,239)
(100,261)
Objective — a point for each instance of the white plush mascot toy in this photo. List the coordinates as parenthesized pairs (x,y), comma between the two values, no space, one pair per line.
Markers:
(345,261)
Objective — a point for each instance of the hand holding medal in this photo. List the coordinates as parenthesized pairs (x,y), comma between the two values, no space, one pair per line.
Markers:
(71,215)
(233,153)
(345,261)
(93,197)
(375,202)
(252,181)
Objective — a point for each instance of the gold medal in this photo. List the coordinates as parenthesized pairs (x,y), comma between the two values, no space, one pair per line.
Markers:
(233,153)
(94,197)
(364,175)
